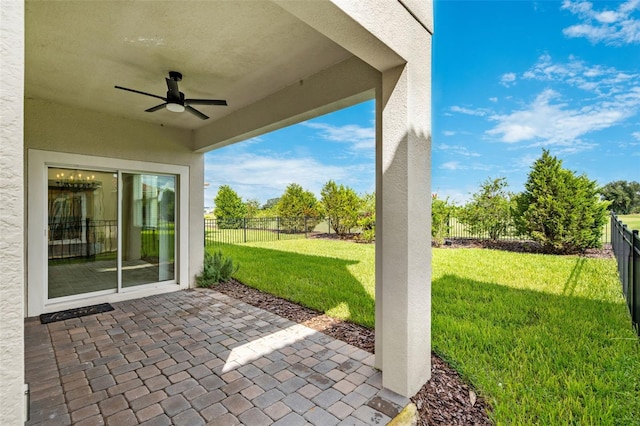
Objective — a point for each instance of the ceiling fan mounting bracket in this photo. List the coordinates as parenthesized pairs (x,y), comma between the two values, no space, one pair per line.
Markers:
(175,76)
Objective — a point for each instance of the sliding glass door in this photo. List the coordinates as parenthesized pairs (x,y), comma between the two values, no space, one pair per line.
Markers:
(109,230)
(82,241)
(148,228)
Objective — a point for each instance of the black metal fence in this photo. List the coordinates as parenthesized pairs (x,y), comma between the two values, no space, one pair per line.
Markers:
(82,238)
(233,231)
(456,230)
(626,248)
(243,230)
(87,238)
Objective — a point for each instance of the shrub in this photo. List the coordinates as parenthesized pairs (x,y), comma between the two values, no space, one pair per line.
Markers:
(367,218)
(216,269)
(230,211)
(560,210)
(298,208)
(341,206)
(441,211)
(489,210)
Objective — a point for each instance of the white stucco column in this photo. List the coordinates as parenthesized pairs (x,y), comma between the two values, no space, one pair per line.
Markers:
(12,255)
(403,243)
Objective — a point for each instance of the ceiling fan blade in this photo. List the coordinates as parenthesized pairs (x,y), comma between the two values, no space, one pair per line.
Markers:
(220,102)
(195,112)
(172,87)
(140,93)
(156,108)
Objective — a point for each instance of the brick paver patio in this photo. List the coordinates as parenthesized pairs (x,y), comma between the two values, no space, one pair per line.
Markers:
(198,357)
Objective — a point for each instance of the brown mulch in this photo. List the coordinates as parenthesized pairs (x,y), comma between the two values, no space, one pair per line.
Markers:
(605,252)
(444,400)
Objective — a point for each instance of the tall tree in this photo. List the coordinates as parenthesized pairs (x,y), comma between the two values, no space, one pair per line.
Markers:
(559,209)
(230,211)
(624,196)
(341,206)
(298,208)
(489,210)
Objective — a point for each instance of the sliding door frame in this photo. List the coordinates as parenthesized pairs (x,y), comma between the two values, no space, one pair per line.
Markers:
(37,222)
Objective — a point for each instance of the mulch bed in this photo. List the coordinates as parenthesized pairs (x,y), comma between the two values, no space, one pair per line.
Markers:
(444,400)
(605,252)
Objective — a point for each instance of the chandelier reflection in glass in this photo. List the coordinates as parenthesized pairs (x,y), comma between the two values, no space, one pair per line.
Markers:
(77,181)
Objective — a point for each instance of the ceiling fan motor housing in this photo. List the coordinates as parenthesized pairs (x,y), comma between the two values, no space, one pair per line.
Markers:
(173,100)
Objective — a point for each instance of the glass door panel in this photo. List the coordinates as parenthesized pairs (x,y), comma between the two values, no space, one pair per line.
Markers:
(82,231)
(148,228)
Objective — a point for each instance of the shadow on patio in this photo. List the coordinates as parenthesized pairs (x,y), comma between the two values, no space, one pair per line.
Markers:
(198,357)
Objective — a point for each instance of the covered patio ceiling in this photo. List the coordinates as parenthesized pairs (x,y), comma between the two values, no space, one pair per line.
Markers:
(76,52)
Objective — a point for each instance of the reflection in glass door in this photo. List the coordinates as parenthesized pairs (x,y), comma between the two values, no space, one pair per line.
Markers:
(82,231)
(148,228)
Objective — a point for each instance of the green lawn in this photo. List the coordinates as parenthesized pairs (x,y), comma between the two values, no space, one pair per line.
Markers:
(631,220)
(546,339)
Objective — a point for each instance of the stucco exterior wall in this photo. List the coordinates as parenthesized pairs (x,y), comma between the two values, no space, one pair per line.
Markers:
(54,127)
(11,213)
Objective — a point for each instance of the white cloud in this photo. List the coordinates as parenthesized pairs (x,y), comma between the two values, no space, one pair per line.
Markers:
(548,122)
(361,139)
(456,150)
(636,135)
(467,111)
(507,79)
(264,176)
(451,165)
(454,195)
(598,79)
(449,133)
(456,165)
(494,99)
(612,27)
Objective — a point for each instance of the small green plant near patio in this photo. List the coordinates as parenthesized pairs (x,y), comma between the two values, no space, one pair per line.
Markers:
(217,268)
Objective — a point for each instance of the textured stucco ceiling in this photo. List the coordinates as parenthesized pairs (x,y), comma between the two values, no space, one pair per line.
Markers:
(241,51)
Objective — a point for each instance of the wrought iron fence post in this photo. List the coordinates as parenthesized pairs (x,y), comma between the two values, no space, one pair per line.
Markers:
(634,279)
(244,223)
(278,226)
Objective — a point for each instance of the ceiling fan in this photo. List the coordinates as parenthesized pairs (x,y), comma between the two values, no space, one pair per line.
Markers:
(175,100)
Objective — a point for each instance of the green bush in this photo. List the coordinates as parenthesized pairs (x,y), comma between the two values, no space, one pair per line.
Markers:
(341,206)
(441,211)
(230,211)
(367,218)
(489,211)
(298,209)
(216,269)
(559,209)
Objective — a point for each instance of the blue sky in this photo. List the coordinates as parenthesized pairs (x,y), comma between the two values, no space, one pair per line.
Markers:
(509,78)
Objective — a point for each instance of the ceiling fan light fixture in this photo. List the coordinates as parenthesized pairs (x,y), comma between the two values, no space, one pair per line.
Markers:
(175,107)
